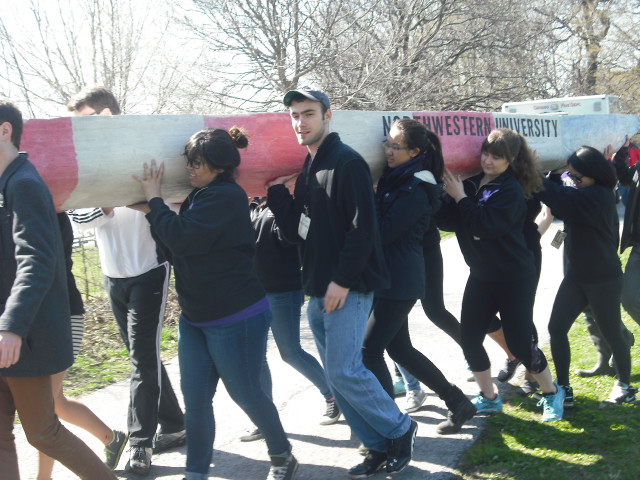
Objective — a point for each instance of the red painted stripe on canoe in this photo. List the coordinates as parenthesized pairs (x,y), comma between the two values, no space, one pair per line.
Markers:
(52,151)
(273,149)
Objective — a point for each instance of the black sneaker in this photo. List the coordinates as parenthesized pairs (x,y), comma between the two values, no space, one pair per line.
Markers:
(400,449)
(508,371)
(283,468)
(252,436)
(332,413)
(167,441)
(113,451)
(373,462)
(568,396)
(139,460)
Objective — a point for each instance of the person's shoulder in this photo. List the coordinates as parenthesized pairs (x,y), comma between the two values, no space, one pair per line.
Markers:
(348,158)
(598,192)
(349,153)
(224,191)
(228,188)
(338,149)
(27,181)
(22,168)
(508,181)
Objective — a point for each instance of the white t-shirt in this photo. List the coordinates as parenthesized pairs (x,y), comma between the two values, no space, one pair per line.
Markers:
(124,240)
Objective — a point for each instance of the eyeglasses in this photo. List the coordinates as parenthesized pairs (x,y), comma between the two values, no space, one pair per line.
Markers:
(577,179)
(394,147)
(195,164)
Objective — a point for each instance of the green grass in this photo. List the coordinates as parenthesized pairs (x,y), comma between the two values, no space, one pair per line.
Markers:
(591,443)
(444,235)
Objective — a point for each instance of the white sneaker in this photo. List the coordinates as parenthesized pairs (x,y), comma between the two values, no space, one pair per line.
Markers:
(414,400)
(622,393)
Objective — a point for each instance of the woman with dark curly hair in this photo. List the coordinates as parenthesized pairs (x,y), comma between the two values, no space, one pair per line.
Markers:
(225,313)
(488,213)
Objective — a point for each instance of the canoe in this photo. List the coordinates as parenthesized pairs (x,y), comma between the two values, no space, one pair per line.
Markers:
(88,161)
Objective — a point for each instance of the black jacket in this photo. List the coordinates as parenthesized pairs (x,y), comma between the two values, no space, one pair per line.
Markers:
(489,227)
(211,246)
(33,287)
(629,177)
(343,243)
(76,304)
(591,222)
(404,207)
(277,261)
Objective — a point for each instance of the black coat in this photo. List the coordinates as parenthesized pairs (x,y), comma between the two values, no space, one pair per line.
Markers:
(405,206)
(277,261)
(75,297)
(211,245)
(591,222)
(33,286)
(343,242)
(489,226)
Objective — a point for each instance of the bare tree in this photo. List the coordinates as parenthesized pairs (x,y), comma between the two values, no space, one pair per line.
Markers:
(382,54)
(442,54)
(50,51)
(582,27)
(265,47)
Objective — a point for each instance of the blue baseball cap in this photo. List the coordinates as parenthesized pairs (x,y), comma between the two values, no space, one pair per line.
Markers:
(315,95)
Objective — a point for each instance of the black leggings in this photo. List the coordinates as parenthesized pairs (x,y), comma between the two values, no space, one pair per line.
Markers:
(388,328)
(433,300)
(496,324)
(604,299)
(514,300)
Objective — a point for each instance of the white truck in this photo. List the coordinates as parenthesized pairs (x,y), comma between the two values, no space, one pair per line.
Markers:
(592,104)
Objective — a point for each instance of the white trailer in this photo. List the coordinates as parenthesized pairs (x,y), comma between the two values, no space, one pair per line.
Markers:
(592,104)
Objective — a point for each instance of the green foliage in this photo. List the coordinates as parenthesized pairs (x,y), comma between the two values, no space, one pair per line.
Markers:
(593,442)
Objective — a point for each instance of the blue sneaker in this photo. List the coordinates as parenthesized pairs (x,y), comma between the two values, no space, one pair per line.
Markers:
(484,405)
(553,405)
(398,387)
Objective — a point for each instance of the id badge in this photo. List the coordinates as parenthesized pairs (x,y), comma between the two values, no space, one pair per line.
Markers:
(558,239)
(303,226)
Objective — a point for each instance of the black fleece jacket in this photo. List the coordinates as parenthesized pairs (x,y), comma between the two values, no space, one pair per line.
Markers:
(591,222)
(211,246)
(405,206)
(277,261)
(343,243)
(489,227)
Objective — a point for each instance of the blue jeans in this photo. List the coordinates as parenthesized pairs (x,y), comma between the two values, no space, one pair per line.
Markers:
(233,353)
(372,415)
(410,382)
(285,326)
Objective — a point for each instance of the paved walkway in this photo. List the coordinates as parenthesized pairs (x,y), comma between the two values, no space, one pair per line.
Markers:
(325,452)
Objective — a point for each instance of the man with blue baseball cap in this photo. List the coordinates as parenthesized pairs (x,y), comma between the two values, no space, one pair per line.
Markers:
(332,218)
